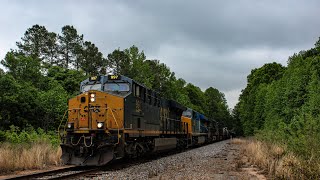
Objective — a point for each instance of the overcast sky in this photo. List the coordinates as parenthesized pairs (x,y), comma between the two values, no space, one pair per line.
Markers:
(207,43)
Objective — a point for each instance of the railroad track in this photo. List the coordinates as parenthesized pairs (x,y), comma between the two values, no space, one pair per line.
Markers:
(74,172)
(65,173)
(89,172)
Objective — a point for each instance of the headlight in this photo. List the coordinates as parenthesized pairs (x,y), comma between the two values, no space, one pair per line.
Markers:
(70,125)
(100,125)
(92,97)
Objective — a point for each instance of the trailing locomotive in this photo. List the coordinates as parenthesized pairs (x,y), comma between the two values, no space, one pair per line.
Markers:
(115,117)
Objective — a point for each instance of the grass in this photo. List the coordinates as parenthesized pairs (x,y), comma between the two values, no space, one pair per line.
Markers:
(28,149)
(37,155)
(277,161)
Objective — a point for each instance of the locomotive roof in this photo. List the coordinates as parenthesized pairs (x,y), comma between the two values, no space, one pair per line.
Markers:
(120,78)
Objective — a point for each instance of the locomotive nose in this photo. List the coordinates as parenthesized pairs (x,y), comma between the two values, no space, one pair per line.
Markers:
(97,113)
(89,111)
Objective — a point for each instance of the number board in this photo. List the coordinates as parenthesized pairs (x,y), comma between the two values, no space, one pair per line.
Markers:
(114,77)
(94,78)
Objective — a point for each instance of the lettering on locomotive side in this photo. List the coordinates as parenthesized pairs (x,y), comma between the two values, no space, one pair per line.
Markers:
(113,77)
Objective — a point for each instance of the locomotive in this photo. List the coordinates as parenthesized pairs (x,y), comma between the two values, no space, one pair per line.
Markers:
(115,117)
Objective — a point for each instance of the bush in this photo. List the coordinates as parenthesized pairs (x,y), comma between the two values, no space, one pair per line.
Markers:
(29,136)
(2,136)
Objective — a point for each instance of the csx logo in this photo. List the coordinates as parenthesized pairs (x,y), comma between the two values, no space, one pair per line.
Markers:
(113,77)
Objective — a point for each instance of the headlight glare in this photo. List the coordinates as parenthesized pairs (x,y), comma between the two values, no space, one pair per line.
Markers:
(69,125)
(100,125)
(92,95)
(92,99)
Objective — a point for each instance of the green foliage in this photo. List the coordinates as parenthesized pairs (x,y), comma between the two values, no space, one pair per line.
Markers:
(119,62)
(2,72)
(196,97)
(70,45)
(68,79)
(28,136)
(178,92)
(21,67)
(92,60)
(251,101)
(38,43)
(17,102)
(52,104)
(281,105)
(217,108)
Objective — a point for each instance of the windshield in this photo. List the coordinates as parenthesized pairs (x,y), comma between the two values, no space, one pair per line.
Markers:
(91,87)
(116,87)
(187,113)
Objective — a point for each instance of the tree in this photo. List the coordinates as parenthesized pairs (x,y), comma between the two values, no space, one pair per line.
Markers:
(179,93)
(38,43)
(22,67)
(281,105)
(68,79)
(237,125)
(70,44)
(119,62)
(216,107)
(2,72)
(251,100)
(18,104)
(52,105)
(140,71)
(92,60)
(196,97)
(162,77)
(51,49)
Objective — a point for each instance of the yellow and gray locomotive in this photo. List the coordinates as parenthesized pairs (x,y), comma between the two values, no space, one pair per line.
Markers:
(115,117)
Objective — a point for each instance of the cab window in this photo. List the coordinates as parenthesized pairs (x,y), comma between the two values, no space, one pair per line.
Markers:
(187,113)
(91,87)
(137,91)
(122,87)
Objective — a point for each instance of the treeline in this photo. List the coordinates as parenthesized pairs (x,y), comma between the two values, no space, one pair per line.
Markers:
(46,69)
(282,105)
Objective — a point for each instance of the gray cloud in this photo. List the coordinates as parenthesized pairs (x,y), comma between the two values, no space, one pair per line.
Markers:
(208,43)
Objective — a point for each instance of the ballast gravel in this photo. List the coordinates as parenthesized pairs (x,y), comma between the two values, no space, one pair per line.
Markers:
(197,163)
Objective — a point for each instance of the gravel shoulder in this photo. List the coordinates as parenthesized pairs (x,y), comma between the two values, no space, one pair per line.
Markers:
(221,160)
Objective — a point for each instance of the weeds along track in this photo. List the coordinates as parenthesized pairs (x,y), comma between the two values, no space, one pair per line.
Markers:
(87,171)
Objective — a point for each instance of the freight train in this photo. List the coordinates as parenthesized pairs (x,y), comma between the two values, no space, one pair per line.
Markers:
(115,117)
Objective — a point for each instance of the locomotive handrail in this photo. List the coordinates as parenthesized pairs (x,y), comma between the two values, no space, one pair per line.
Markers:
(61,122)
(64,115)
(173,119)
(170,118)
(116,124)
(77,142)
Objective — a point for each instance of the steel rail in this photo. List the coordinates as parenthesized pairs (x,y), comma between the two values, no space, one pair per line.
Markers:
(72,171)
